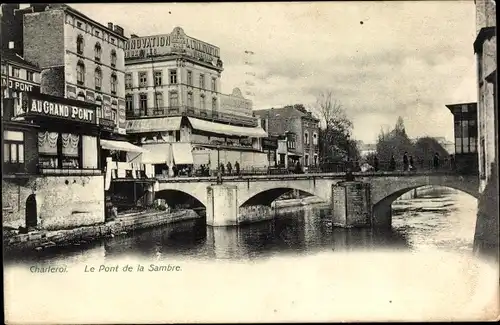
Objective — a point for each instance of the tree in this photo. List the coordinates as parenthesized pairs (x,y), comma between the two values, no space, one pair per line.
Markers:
(395,142)
(335,135)
(426,147)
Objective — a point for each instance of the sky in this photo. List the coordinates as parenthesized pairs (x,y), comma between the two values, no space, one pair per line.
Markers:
(381,60)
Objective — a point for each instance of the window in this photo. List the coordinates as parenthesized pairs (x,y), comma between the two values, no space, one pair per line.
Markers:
(158,100)
(465,109)
(30,76)
(306,160)
(98,78)
(70,148)
(114,84)
(158,78)
(173,99)
(128,81)
(80,73)
(79,24)
(16,72)
(97,52)
(202,81)
(129,102)
(190,78)
(112,40)
(143,79)
(113,58)
(214,104)
(306,138)
(47,149)
(214,84)
(202,101)
(190,99)
(79,44)
(96,33)
(173,76)
(13,147)
(143,103)
(4,69)
(263,124)
(315,139)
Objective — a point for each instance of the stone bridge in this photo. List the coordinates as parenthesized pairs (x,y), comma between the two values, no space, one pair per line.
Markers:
(223,201)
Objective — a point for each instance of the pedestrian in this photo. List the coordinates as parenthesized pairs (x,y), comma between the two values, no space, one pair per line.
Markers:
(229,168)
(375,163)
(174,170)
(166,170)
(392,164)
(436,161)
(405,161)
(297,167)
(221,167)
(452,162)
(412,165)
(237,167)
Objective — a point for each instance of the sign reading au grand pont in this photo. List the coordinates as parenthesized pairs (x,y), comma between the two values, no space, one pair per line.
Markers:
(53,108)
(175,42)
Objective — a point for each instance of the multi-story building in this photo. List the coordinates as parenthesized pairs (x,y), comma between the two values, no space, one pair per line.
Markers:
(485,49)
(81,58)
(465,131)
(301,130)
(175,108)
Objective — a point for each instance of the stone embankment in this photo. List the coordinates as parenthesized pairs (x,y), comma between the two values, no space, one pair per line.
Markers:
(39,240)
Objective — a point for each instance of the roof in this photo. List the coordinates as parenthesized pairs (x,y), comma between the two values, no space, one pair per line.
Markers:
(286,112)
(13,57)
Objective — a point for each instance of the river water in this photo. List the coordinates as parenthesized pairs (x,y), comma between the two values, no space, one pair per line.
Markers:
(441,220)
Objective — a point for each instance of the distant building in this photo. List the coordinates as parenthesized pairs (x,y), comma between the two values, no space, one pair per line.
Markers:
(465,132)
(301,130)
(366,149)
(486,55)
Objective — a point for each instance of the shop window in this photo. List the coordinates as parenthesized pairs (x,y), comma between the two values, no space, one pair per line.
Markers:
(70,150)
(98,78)
(97,52)
(79,44)
(80,73)
(13,147)
(47,149)
(113,58)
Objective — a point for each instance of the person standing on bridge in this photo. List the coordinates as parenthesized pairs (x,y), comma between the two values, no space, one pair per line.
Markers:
(412,165)
(375,163)
(221,167)
(229,168)
(237,167)
(392,164)
(436,161)
(405,162)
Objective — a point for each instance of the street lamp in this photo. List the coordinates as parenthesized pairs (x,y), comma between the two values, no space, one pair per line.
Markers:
(219,174)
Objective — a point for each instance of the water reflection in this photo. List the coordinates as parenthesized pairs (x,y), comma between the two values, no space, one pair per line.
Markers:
(437,221)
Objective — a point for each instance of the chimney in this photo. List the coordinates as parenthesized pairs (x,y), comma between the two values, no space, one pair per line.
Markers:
(110,26)
(119,30)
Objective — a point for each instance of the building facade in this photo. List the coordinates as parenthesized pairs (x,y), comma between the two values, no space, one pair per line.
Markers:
(81,59)
(301,130)
(465,132)
(176,111)
(487,112)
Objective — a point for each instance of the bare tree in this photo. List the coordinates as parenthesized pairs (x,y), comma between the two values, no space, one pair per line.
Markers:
(329,108)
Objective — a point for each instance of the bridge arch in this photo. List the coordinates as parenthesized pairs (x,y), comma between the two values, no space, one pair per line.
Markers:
(175,197)
(267,196)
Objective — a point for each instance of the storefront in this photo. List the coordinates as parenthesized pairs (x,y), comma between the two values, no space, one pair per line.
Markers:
(68,134)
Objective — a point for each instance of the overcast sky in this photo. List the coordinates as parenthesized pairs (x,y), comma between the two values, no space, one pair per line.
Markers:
(381,59)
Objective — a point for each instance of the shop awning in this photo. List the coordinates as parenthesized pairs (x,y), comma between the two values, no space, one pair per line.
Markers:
(159,124)
(294,154)
(182,153)
(120,146)
(226,129)
(157,154)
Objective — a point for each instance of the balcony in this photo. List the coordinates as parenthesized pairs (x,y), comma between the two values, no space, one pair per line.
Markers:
(214,116)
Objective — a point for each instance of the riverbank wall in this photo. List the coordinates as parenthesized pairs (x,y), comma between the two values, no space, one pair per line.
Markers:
(39,240)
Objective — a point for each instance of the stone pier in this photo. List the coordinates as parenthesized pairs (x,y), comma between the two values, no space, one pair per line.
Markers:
(351,206)
(222,207)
